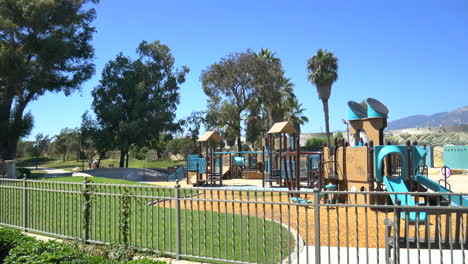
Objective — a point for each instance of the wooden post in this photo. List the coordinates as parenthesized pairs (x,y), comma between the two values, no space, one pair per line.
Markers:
(281,156)
(408,176)
(389,163)
(370,170)
(298,163)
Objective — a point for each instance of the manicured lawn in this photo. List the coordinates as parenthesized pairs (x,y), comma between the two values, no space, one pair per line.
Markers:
(151,220)
(72,164)
(35,174)
(80,179)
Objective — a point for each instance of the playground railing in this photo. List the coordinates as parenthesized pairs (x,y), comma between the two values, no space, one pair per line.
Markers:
(240,225)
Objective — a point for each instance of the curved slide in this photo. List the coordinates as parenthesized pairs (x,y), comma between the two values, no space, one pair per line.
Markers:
(423,180)
(396,184)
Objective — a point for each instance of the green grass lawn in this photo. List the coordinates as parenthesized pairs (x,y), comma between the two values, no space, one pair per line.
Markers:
(80,179)
(72,164)
(151,221)
(35,174)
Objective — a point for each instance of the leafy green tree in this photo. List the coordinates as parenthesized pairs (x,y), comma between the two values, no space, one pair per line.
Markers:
(95,136)
(315,143)
(181,147)
(61,147)
(39,145)
(295,116)
(192,124)
(323,72)
(136,100)
(245,89)
(275,91)
(45,46)
(229,85)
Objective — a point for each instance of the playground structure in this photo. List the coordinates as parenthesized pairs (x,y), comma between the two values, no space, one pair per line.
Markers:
(359,166)
(202,167)
(212,165)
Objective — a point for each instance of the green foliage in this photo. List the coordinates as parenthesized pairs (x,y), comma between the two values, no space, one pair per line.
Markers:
(181,147)
(315,143)
(42,252)
(125,213)
(193,123)
(136,100)
(18,248)
(10,239)
(339,135)
(323,72)
(122,253)
(45,46)
(39,145)
(245,87)
(20,172)
(323,68)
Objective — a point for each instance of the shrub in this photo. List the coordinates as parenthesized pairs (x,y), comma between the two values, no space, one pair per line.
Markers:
(20,172)
(9,239)
(43,252)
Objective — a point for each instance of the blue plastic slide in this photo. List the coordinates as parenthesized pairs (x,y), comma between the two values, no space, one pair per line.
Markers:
(459,200)
(396,184)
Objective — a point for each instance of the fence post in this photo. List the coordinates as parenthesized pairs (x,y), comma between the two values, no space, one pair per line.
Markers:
(86,209)
(177,216)
(25,204)
(317,224)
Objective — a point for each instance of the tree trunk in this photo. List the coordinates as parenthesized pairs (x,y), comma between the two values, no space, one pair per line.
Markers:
(126,165)
(5,112)
(64,154)
(327,127)
(239,144)
(122,158)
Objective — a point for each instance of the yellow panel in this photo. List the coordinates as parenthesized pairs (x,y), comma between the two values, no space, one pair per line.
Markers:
(438,157)
(356,164)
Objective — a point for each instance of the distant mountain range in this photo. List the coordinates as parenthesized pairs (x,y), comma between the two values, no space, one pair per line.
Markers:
(457,117)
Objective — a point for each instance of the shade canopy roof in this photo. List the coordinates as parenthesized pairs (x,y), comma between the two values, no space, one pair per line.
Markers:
(210,136)
(282,127)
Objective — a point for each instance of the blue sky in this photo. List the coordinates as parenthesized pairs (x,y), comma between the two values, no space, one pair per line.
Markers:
(410,55)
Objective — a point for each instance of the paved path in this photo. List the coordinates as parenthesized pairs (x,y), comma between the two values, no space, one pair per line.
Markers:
(371,255)
(52,172)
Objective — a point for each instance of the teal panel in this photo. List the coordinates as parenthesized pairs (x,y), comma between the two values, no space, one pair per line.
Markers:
(418,156)
(456,157)
(291,143)
(192,161)
(352,115)
(238,161)
(253,161)
(430,157)
(179,174)
(380,152)
(314,161)
(202,165)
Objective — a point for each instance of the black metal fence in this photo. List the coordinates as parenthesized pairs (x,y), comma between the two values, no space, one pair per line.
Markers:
(244,225)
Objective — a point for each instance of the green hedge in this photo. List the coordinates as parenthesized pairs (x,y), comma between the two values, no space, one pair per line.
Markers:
(20,172)
(10,239)
(18,248)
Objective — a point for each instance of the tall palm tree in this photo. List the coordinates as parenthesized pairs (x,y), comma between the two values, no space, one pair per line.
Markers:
(323,72)
(294,114)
